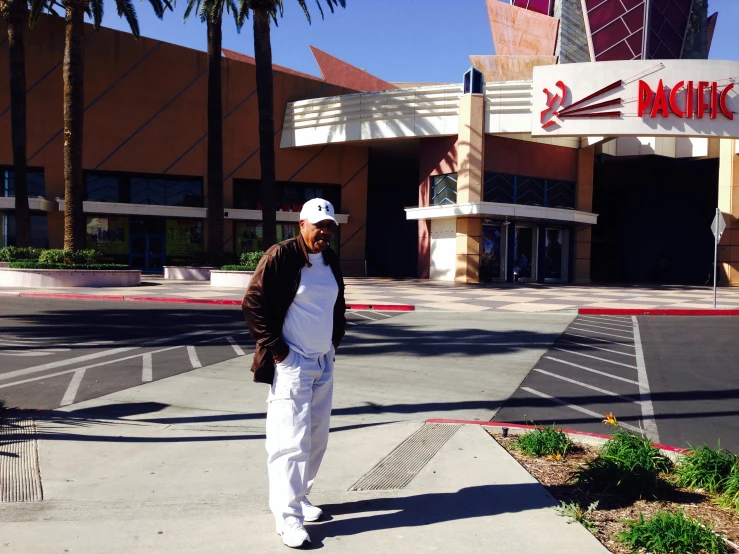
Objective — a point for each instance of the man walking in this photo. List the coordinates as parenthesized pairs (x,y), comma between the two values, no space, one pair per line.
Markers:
(294,308)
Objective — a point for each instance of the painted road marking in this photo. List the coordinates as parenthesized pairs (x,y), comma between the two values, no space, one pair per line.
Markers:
(363,315)
(594,357)
(595,320)
(599,340)
(236,347)
(104,353)
(599,333)
(73,387)
(624,379)
(194,361)
(576,408)
(647,409)
(585,385)
(604,327)
(146,370)
(597,347)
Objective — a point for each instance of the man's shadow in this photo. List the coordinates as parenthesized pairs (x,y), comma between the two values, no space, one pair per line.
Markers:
(429,509)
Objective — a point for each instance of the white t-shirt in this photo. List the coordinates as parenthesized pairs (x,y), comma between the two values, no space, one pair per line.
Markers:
(309,324)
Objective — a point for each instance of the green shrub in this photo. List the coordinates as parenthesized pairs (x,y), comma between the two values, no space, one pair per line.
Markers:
(13,254)
(251,259)
(575,511)
(70,257)
(37,265)
(705,468)
(627,464)
(671,533)
(730,496)
(544,441)
(237,268)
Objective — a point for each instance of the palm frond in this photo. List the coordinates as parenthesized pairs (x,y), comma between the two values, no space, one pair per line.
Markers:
(203,13)
(190,5)
(96,9)
(233,9)
(127,11)
(37,6)
(159,7)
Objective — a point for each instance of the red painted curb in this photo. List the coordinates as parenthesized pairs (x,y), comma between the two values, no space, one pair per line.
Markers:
(176,300)
(657,311)
(519,426)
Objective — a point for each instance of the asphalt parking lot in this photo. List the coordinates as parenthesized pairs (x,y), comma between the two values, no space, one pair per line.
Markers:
(57,352)
(674,378)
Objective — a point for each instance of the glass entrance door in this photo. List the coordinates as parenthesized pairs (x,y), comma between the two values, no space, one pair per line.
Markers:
(557,254)
(147,253)
(492,263)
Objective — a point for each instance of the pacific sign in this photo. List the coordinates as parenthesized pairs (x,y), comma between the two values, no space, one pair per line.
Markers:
(695,104)
(692,98)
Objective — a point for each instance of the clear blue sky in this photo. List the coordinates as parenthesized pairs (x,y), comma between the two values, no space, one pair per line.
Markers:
(397,40)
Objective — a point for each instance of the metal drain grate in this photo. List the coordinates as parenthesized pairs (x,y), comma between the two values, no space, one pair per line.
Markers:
(399,467)
(20,477)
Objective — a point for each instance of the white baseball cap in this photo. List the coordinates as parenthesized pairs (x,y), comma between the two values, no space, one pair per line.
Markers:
(317,210)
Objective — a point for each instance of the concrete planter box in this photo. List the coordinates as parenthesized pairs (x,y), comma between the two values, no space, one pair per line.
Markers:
(187,273)
(42,278)
(235,279)
(4,264)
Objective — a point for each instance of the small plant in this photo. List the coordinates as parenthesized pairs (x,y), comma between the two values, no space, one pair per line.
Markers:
(574,510)
(671,533)
(705,468)
(730,496)
(544,441)
(70,257)
(14,254)
(251,259)
(627,464)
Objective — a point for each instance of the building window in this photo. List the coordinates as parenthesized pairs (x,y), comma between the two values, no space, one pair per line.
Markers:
(39,230)
(143,189)
(531,191)
(34,180)
(290,196)
(444,189)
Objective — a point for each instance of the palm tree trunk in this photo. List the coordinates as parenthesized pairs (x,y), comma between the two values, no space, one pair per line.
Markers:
(17,21)
(74,218)
(215,138)
(265,100)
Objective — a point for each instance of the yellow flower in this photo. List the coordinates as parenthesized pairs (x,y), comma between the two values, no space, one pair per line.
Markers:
(610,419)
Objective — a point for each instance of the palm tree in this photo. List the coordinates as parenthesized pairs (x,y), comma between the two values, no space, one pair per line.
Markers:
(15,15)
(211,12)
(264,10)
(74,102)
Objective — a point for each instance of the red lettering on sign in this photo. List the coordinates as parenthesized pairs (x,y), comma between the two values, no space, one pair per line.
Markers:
(645,97)
(673,99)
(714,100)
(689,111)
(702,98)
(554,101)
(722,102)
(660,102)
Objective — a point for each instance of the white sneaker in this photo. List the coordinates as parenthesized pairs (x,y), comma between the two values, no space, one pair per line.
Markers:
(293,533)
(310,512)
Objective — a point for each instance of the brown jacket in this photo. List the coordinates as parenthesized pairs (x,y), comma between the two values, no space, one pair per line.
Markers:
(269,295)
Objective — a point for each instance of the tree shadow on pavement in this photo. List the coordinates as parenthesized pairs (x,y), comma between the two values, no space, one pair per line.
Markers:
(429,509)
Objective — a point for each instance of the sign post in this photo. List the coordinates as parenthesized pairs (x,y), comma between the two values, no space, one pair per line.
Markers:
(718,226)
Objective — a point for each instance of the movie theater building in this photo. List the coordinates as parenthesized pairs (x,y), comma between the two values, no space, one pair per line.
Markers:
(576,167)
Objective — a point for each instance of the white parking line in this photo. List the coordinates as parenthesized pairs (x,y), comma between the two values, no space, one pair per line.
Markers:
(594,357)
(95,355)
(617,377)
(576,408)
(609,317)
(236,347)
(599,340)
(599,333)
(194,361)
(597,347)
(608,328)
(647,409)
(73,387)
(362,315)
(585,385)
(147,375)
(593,320)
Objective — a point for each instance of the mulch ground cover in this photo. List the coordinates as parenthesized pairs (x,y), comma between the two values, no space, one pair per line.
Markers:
(612,510)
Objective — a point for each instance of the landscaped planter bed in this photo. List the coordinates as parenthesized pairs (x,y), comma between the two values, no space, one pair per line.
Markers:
(39,278)
(234,279)
(612,509)
(188,273)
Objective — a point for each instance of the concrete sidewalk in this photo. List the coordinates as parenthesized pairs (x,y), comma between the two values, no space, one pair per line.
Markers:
(432,295)
(178,465)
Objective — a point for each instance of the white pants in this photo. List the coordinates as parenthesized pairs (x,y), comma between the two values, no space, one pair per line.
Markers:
(298,413)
